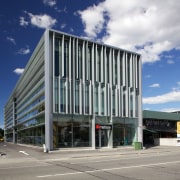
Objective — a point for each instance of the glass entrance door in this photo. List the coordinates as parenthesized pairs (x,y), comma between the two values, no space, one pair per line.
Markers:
(102,138)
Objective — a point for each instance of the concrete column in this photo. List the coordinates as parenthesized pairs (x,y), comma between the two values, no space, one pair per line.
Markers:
(93,135)
(140,118)
(48,92)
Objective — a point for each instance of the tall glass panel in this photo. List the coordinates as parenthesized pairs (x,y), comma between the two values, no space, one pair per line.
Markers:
(66,58)
(58,56)
(56,94)
(96,99)
(121,68)
(79,63)
(73,131)
(113,101)
(81,133)
(128,68)
(76,96)
(87,98)
(131,105)
(115,67)
(63,95)
(98,65)
(107,65)
(89,64)
(124,104)
(102,98)
(65,134)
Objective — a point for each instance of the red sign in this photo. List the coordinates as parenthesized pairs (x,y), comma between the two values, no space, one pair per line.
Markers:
(98,126)
(108,127)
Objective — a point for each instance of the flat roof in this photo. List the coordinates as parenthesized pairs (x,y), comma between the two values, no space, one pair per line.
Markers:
(160,115)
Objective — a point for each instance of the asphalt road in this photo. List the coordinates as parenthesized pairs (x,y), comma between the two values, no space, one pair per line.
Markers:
(24,163)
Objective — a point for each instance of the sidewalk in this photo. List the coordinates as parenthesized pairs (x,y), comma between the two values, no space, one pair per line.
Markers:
(37,153)
(83,153)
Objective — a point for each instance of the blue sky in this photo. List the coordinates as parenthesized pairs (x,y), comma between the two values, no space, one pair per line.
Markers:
(150,28)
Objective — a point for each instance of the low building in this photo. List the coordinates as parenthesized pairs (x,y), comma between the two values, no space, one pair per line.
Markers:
(76,93)
(160,128)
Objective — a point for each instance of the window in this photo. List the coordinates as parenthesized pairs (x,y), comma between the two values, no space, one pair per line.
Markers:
(76,96)
(63,95)
(113,101)
(107,65)
(102,98)
(58,56)
(98,65)
(56,94)
(87,98)
(115,67)
(89,74)
(66,58)
(121,68)
(96,99)
(124,104)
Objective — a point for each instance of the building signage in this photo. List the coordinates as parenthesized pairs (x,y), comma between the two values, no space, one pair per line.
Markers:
(178,133)
(108,127)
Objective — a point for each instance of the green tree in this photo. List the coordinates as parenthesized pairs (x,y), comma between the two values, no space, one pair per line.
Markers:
(1,132)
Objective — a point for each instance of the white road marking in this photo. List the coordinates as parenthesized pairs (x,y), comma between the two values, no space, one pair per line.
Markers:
(109,169)
(25,153)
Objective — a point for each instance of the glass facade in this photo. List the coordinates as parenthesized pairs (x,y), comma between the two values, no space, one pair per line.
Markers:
(72,131)
(26,106)
(124,131)
(102,81)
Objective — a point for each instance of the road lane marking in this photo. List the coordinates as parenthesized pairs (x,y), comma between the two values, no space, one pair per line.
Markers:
(25,153)
(108,169)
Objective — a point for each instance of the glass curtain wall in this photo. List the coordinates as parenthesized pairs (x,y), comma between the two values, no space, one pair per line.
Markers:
(73,131)
(32,136)
(124,131)
(93,79)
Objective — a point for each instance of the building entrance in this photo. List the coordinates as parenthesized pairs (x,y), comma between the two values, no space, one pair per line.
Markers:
(102,135)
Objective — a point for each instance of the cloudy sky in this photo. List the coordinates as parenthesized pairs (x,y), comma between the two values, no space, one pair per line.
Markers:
(150,28)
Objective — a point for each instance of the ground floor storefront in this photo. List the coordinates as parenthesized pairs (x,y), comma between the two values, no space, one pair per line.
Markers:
(73,131)
(80,131)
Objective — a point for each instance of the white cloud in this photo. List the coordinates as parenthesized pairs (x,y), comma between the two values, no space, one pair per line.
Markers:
(176,88)
(148,76)
(64,10)
(23,22)
(93,19)
(170,109)
(42,21)
(148,27)
(170,61)
(18,71)
(71,30)
(24,51)
(50,3)
(63,26)
(155,85)
(173,96)
(12,40)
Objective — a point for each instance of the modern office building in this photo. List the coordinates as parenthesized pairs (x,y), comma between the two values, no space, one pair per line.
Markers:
(76,93)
